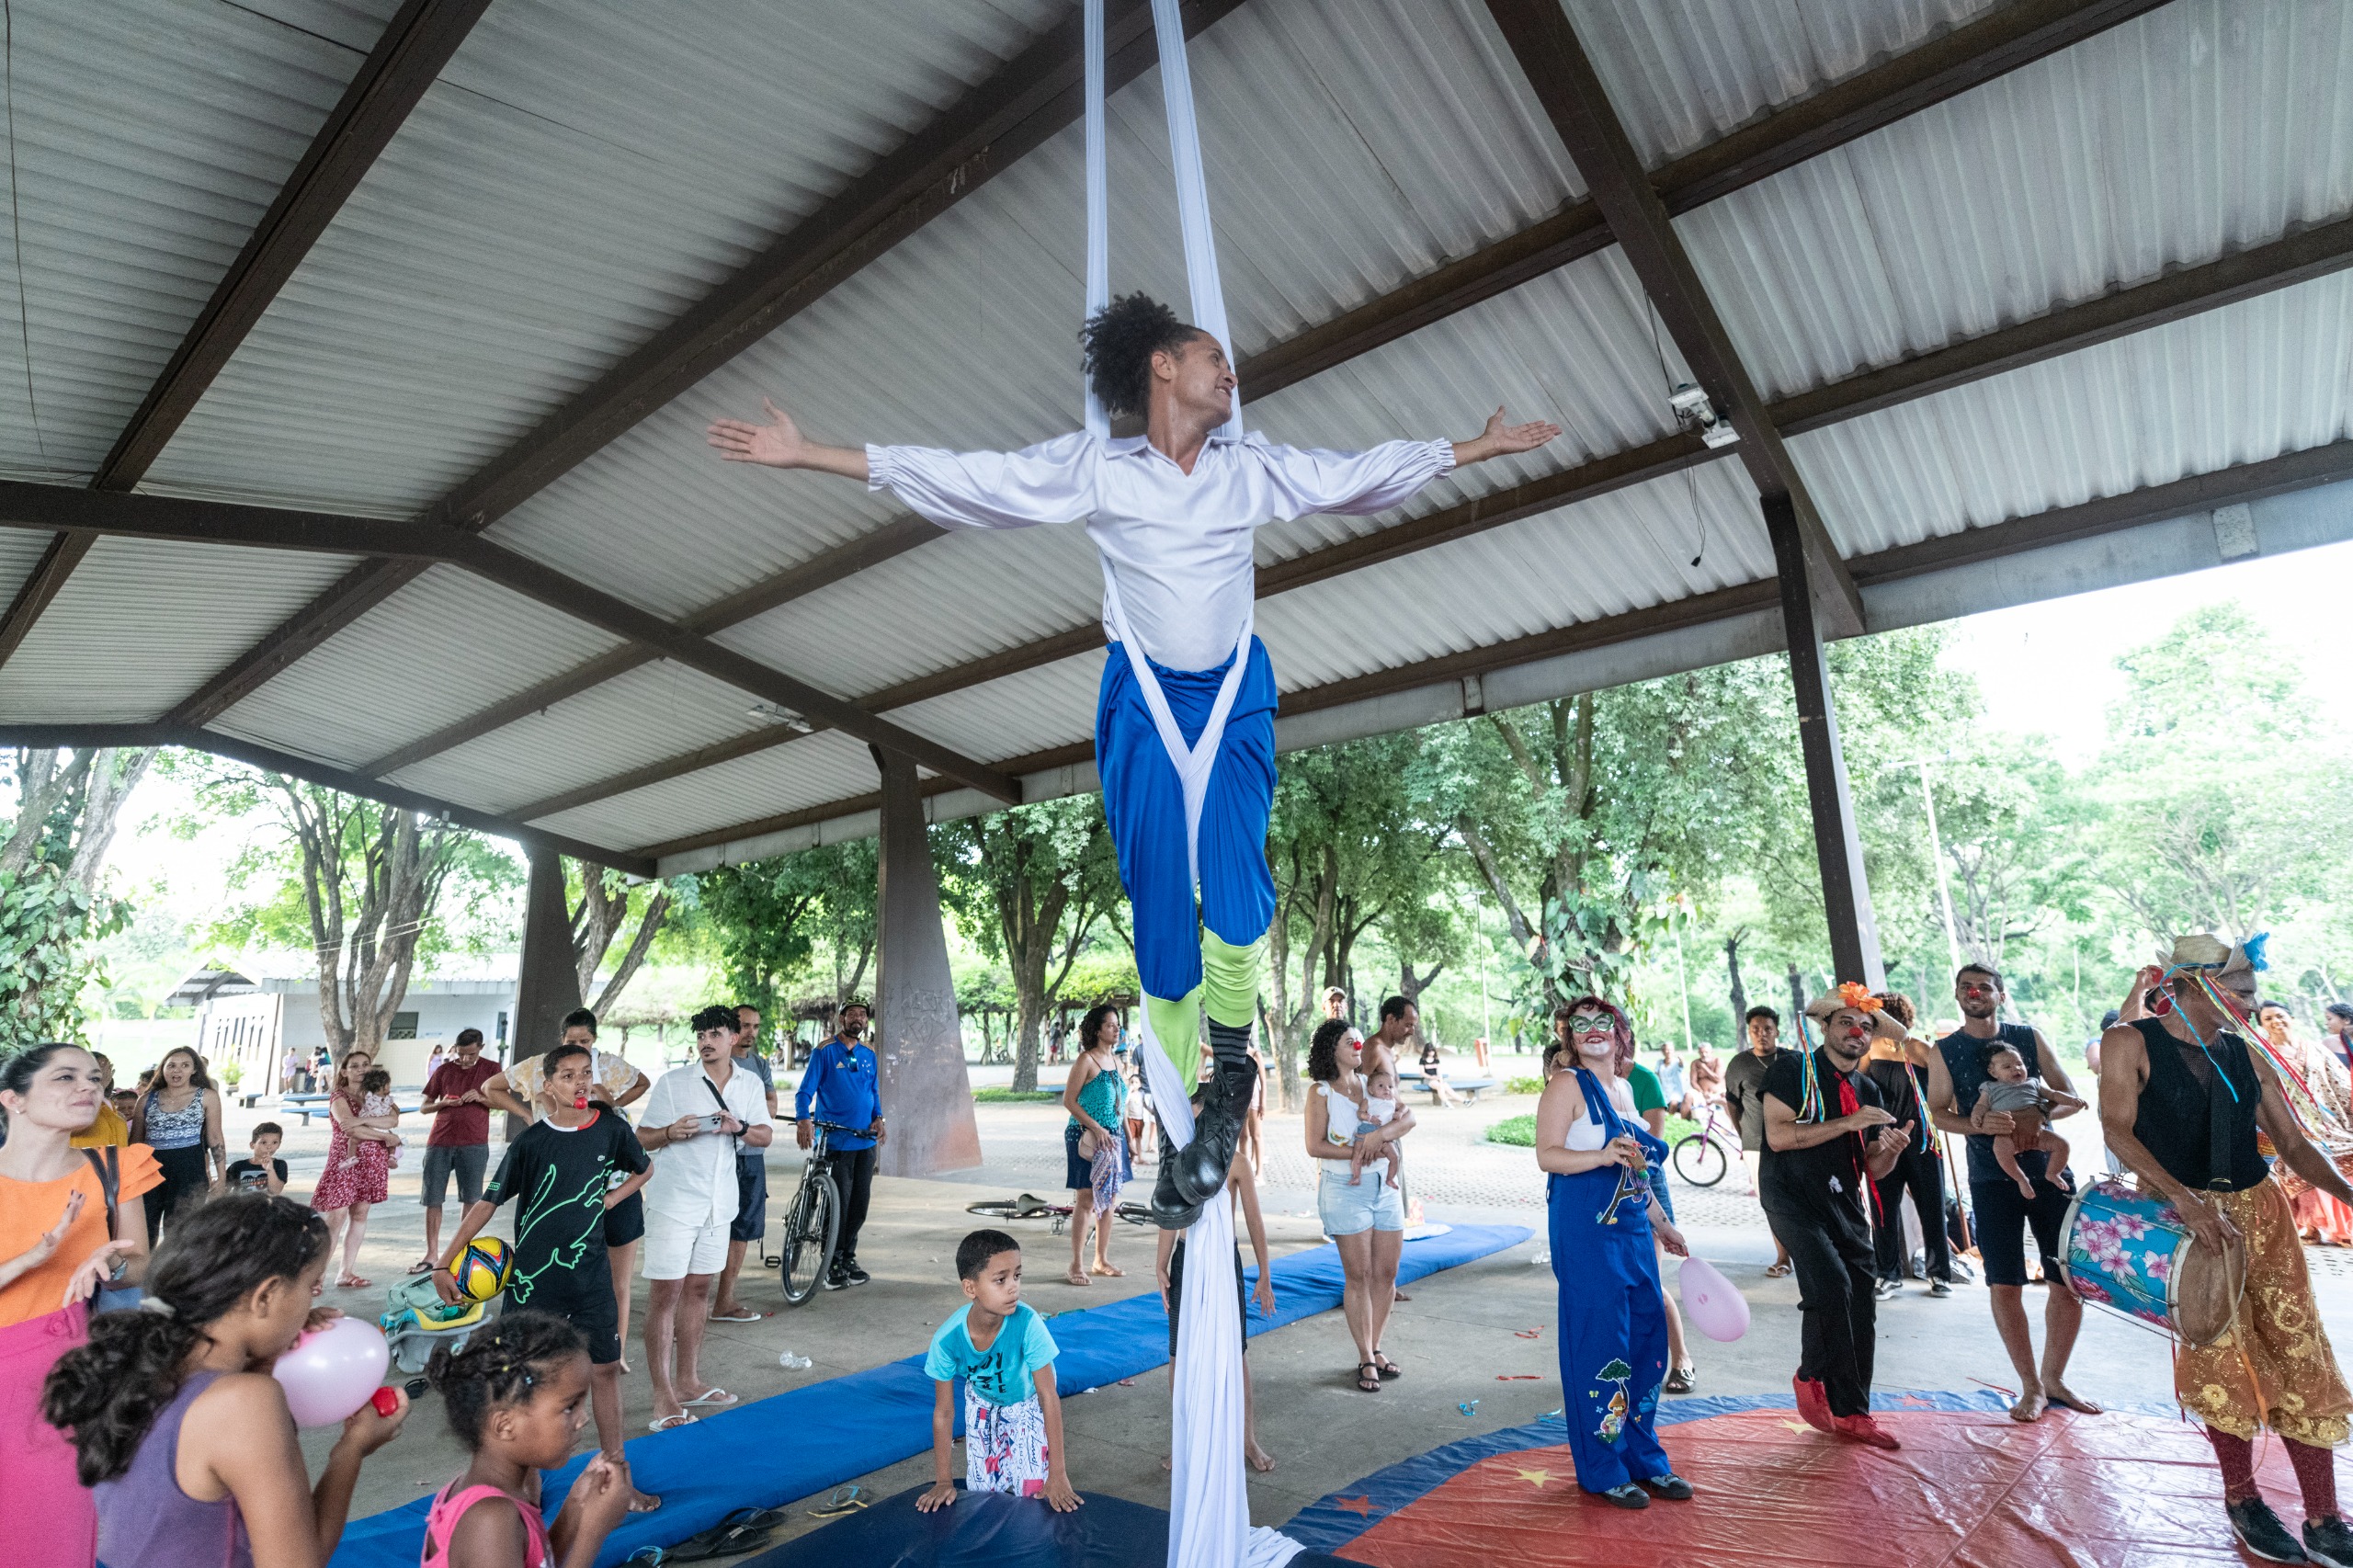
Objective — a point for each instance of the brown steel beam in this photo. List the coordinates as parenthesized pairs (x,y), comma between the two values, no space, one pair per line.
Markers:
(255,754)
(418,41)
(47,579)
(1027,102)
(2009,38)
(2247,481)
(821,572)
(97,513)
(1943,68)
(534,580)
(1541,38)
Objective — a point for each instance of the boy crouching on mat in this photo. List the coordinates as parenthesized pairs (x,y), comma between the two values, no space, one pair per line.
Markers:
(1013,1420)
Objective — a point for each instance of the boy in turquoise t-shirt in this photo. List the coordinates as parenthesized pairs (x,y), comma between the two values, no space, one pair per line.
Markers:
(1013,1420)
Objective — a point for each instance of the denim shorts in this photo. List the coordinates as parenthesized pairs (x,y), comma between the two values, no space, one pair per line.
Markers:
(1372,1205)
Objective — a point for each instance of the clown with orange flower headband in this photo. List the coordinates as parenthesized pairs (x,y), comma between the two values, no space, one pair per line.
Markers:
(2184,1093)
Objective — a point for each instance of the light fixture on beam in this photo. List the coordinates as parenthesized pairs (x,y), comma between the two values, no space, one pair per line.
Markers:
(773,714)
(1693,411)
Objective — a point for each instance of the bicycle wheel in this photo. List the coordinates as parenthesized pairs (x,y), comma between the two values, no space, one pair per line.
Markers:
(809,1237)
(1135,1213)
(995,1208)
(1699,1160)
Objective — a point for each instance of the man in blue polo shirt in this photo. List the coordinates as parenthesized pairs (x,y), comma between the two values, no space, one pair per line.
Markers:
(841,1083)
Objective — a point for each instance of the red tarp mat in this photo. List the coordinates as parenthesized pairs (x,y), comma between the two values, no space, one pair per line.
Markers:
(1970,1489)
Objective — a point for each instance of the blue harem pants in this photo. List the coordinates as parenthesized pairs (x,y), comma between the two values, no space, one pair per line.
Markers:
(1146,808)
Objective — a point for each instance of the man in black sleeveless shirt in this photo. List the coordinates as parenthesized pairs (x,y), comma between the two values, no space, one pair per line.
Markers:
(2182,1098)
(2001,1214)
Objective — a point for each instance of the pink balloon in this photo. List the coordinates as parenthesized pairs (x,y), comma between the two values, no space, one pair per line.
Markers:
(1714,1308)
(333,1371)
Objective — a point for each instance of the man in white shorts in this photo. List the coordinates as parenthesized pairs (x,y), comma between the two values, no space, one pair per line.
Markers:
(695,1121)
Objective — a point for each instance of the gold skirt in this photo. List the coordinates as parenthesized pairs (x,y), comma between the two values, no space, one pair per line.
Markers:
(2273,1366)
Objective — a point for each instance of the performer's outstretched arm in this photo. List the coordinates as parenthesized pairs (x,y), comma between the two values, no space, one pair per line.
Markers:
(782,445)
(1357,483)
(1050,482)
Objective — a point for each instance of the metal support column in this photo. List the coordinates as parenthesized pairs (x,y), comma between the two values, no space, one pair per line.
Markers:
(919,1044)
(1846,895)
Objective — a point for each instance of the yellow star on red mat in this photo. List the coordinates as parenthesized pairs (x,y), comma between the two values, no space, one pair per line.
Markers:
(1358,1505)
(1536,1478)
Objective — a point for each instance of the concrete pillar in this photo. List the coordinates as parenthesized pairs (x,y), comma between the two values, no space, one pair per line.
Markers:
(926,1095)
(1845,896)
(549,986)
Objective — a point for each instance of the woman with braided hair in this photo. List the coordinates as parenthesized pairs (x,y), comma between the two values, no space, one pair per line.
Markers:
(181,1432)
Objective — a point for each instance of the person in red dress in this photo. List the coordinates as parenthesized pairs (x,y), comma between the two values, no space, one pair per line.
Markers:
(358,1163)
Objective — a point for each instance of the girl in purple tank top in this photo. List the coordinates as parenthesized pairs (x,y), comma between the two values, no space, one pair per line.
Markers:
(518,1398)
(180,1432)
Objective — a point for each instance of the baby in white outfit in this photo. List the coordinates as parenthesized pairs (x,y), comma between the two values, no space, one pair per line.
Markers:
(1380,1109)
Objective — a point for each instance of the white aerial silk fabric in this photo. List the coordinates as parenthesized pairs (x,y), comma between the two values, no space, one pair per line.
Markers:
(1208,1494)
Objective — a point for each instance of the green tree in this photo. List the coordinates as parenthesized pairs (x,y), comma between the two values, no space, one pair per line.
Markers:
(357,884)
(54,840)
(1029,886)
(2218,812)
(767,917)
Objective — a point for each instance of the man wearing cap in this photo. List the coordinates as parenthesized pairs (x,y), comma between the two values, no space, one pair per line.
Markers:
(2192,1140)
(1827,1140)
(2001,1214)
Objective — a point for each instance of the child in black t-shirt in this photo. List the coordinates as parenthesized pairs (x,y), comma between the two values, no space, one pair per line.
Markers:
(264,1171)
(560,1170)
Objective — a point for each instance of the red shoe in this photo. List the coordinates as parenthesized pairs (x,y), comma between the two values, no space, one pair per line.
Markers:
(1863,1429)
(1813,1403)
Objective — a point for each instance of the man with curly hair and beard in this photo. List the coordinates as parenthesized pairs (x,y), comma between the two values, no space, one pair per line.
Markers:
(1184,731)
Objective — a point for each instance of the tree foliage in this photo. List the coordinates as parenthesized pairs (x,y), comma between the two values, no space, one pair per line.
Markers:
(769,917)
(53,842)
(1029,887)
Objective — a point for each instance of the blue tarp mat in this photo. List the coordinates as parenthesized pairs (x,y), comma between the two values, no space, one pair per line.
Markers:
(777,1450)
(989,1529)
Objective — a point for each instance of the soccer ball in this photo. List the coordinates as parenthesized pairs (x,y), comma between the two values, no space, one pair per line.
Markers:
(485,1268)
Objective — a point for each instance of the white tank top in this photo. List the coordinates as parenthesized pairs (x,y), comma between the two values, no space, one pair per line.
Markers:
(1585,1133)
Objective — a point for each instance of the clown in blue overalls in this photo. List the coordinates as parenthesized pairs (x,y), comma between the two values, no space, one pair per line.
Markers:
(1613,1319)
(1184,728)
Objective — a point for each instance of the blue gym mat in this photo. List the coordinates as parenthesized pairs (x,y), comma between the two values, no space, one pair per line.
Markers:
(777,1450)
(991,1529)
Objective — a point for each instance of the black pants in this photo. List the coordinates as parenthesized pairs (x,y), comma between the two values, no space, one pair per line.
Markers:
(1920,1173)
(183,1183)
(1838,1317)
(854,1185)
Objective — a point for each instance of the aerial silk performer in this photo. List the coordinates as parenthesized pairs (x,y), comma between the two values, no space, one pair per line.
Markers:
(1184,728)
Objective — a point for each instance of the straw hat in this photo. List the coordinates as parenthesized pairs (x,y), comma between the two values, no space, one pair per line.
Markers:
(1853,996)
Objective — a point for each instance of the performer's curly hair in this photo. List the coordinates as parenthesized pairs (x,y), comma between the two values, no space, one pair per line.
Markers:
(1120,340)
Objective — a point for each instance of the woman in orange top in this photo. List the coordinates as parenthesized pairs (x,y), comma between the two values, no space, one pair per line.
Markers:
(55,1250)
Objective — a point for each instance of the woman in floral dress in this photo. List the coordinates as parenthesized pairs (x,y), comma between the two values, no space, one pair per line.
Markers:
(359,1163)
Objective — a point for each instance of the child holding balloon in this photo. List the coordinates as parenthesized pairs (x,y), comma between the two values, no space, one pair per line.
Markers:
(518,1398)
(181,1432)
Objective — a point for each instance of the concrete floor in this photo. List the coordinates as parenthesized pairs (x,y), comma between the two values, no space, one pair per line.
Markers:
(1455,1339)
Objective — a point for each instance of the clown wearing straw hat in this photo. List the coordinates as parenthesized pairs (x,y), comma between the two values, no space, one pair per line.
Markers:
(2182,1094)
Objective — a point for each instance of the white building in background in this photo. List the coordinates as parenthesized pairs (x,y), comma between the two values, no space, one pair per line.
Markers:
(252,1014)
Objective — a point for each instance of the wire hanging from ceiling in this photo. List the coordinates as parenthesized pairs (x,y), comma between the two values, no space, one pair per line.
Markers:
(15,217)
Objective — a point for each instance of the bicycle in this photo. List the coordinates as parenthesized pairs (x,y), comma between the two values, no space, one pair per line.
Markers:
(1029,1206)
(812,1221)
(1703,1158)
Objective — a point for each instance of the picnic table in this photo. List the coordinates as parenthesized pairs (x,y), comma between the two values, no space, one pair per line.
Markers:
(1467,1087)
(309,1106)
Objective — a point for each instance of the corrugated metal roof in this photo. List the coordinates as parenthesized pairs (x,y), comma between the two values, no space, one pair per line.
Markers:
(661,710)
(578,176)
(2201,127)
(1018,715)
(2238,385)
(143,622)
(442,647)
(147,139)
(20,551)
(828,766)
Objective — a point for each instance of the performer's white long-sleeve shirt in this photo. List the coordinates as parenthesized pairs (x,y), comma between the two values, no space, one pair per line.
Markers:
(1179,545)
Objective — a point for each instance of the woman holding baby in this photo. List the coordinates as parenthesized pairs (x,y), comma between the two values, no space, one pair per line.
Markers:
(1356,1192)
